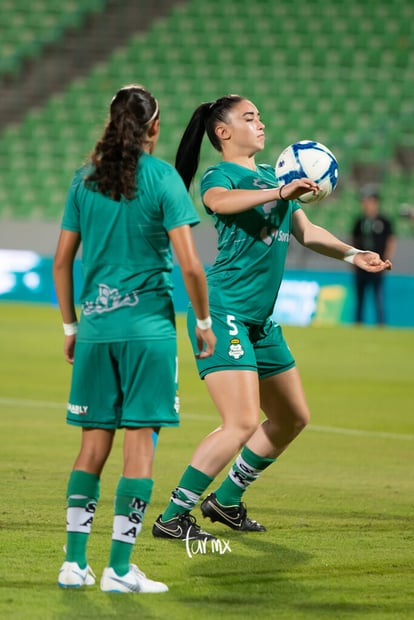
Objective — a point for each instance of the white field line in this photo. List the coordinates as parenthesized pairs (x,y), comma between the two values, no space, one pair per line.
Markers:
(359,433)
(30,404)
(39,404)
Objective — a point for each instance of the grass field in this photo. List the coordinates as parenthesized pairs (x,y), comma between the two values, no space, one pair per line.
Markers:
(339,505)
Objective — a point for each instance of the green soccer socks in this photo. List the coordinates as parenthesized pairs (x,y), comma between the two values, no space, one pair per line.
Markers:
(187,493)
(82,496)
(246,469)
(131,501)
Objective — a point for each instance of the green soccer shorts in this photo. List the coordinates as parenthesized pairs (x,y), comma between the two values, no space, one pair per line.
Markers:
(243,346)
(124,384)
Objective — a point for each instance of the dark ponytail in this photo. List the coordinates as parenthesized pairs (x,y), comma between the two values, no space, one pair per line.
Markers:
(188,152)
(133,110)
(204,119)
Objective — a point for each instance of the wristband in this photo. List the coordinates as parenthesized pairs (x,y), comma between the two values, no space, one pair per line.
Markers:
(204,323)
(349,256)
(70,329)
(280,192)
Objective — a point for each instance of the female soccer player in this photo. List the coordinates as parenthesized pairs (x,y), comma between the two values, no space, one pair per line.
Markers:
(125,206)
(252,368)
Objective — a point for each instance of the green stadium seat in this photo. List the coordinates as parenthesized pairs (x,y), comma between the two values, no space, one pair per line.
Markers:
(329,81)
(33,25)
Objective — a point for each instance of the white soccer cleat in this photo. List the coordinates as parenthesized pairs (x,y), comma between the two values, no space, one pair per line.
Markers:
(133,581)
(71,576)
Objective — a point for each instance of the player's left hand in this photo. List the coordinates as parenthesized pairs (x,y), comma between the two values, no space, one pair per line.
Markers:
(372,262)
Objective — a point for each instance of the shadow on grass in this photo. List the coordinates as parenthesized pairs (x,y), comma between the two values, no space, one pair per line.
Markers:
(346,609)
(254,576)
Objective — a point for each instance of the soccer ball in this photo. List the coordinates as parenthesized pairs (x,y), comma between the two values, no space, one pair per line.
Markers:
(312,160)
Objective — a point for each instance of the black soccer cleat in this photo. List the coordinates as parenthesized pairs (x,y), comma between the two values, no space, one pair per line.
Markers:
(232,516)
(181,527)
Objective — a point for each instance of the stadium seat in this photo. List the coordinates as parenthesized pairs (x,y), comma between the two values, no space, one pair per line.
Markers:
(32,25)
(329,81)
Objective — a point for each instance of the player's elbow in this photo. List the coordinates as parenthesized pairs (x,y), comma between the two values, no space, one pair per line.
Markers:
(216,200)
(58,266)
(61,265)
(192,269)
(214,206)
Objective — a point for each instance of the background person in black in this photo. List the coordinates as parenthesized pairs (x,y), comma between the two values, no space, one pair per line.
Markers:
(372,231)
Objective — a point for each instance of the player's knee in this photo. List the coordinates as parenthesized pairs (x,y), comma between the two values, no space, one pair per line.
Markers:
(300,421)
(242,431)
(247,430)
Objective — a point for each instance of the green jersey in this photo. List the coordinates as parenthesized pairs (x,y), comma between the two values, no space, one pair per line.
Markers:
(126,253)
(252,245)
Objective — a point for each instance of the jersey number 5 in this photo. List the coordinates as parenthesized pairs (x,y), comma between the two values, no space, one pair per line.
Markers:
(233,331)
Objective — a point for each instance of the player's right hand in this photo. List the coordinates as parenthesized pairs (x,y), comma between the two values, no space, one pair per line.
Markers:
(206,342)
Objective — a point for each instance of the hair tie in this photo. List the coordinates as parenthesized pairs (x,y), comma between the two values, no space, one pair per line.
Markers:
(154,115)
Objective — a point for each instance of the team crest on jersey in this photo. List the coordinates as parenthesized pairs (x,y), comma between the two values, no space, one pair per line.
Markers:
(236,350)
